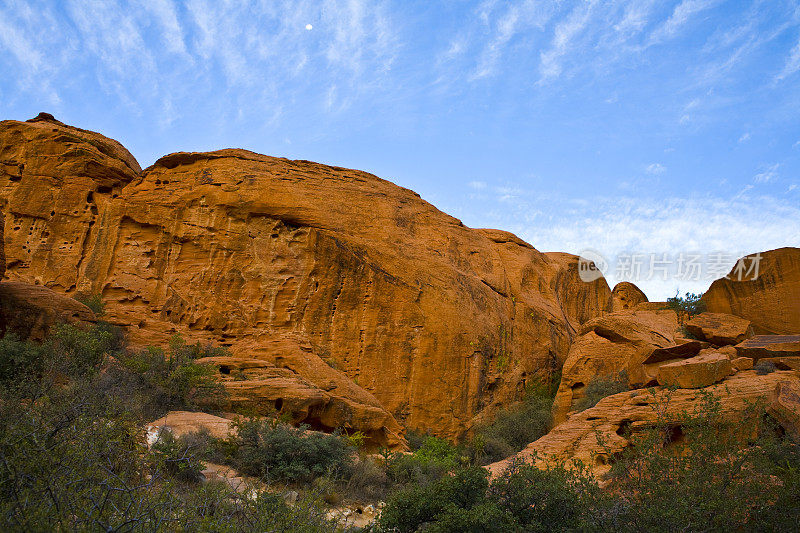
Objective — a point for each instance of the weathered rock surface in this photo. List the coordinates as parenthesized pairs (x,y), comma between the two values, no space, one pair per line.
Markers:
(180,423)
(742,363)
(784,406)
(771,302)
(626,295)
(616,342)
(767,346)
(294,264)
(595,434)
(720,328)
(29,311)
(697,372)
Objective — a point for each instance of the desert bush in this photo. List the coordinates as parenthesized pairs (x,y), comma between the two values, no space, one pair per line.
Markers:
(171,380)
(445,502)
(601,387)
(704,472)
(515,427)
(554,498)
(93,302)
(368,481)
(179,458)
(20,361)
(73,461)
(763,368)
(276,451)
(435,458)
(690,304)
(415,439)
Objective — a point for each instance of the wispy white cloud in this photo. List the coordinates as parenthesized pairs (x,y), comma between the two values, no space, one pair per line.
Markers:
(744,137)
(655,168)
(792,63)
(502,23)
(565,33)
(681,15)
(767,174)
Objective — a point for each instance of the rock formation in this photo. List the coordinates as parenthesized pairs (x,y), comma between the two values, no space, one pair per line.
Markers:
(771,301)
(344,299)
(720,328)
(596,434)
(616,342)
(626,295)
(29,311)
(696,372)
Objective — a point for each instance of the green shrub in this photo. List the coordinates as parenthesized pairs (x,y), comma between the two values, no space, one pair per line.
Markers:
(172,380)
(93,302)
(690,305)
(178,458)
(276,451)
(703,472)
(448,499)
(20,361)
(515,427)
(435,458)
(601,387)
(763,368)
(68,463)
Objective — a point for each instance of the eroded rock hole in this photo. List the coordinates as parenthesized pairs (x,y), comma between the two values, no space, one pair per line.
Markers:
(224,369)
(674,436)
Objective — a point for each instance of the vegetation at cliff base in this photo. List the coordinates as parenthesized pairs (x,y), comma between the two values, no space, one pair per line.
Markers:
(74,457)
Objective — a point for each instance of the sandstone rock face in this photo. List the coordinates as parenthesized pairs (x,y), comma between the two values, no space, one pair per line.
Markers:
(596,433)
(299,266)
(626,295)
(616,342)
(720,328)
(742,363)
(697,372)
(771,302)
(767,346)
(29,311)
(785,407)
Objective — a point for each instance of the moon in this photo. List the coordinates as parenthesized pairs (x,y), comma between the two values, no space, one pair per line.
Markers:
(309,27)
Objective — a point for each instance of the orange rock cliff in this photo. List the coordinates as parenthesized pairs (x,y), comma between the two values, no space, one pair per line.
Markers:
(344,299)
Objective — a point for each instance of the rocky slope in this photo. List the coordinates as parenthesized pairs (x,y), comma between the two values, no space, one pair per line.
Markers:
(595,435)
(343,298)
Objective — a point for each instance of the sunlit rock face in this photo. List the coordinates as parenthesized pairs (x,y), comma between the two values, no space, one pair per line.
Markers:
(344,299)
(771,301)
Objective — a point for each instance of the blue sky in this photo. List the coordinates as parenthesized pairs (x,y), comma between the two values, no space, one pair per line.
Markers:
(631,126)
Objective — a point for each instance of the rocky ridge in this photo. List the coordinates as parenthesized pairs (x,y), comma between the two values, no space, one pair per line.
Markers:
(344,299)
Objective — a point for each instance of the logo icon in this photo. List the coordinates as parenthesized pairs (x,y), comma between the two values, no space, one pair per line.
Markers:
(591,265)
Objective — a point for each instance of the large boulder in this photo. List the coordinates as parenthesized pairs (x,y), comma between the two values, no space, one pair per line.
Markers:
(697,372)
(181,423)
(596,435)
(771,301)
(784,406)
(438,323)
(30,311)
(626,295)
(618,342)
(720,328)
(769,346)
